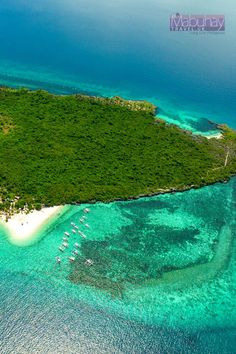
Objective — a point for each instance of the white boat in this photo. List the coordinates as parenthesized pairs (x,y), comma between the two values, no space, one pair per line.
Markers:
(65,239)
(71,259)
(67,234)
(89,262)
(82,234)
(72,224)
(81,220)
(76,245)
(86,210)
(58,260)
(75,252)
(87,225)
(61,249)
(76,227)
(74,232)
(65,244)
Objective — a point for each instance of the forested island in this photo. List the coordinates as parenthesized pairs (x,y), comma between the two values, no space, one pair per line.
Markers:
(58,150)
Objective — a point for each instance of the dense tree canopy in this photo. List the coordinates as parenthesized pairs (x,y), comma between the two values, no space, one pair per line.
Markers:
(63,149)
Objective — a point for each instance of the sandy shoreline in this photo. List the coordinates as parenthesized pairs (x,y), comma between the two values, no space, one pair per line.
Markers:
(216,136)
(22,228)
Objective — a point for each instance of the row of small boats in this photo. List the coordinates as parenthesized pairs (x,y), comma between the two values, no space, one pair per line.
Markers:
(65,240)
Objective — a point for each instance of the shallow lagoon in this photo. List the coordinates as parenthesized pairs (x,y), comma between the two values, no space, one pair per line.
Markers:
(174,255)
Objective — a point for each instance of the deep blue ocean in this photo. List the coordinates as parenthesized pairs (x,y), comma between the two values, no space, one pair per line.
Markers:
(124,47)
(107,48)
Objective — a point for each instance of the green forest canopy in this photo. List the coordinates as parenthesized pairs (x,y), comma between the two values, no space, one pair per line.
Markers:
(63,149)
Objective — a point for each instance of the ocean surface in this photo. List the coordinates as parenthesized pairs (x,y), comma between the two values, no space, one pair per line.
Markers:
(164,273)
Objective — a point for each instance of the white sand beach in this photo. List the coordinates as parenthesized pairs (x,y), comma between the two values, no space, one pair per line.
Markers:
(216,136)
(22,228)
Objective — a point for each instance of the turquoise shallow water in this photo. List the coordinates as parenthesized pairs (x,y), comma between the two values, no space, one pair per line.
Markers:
(173,257)
(184,114)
